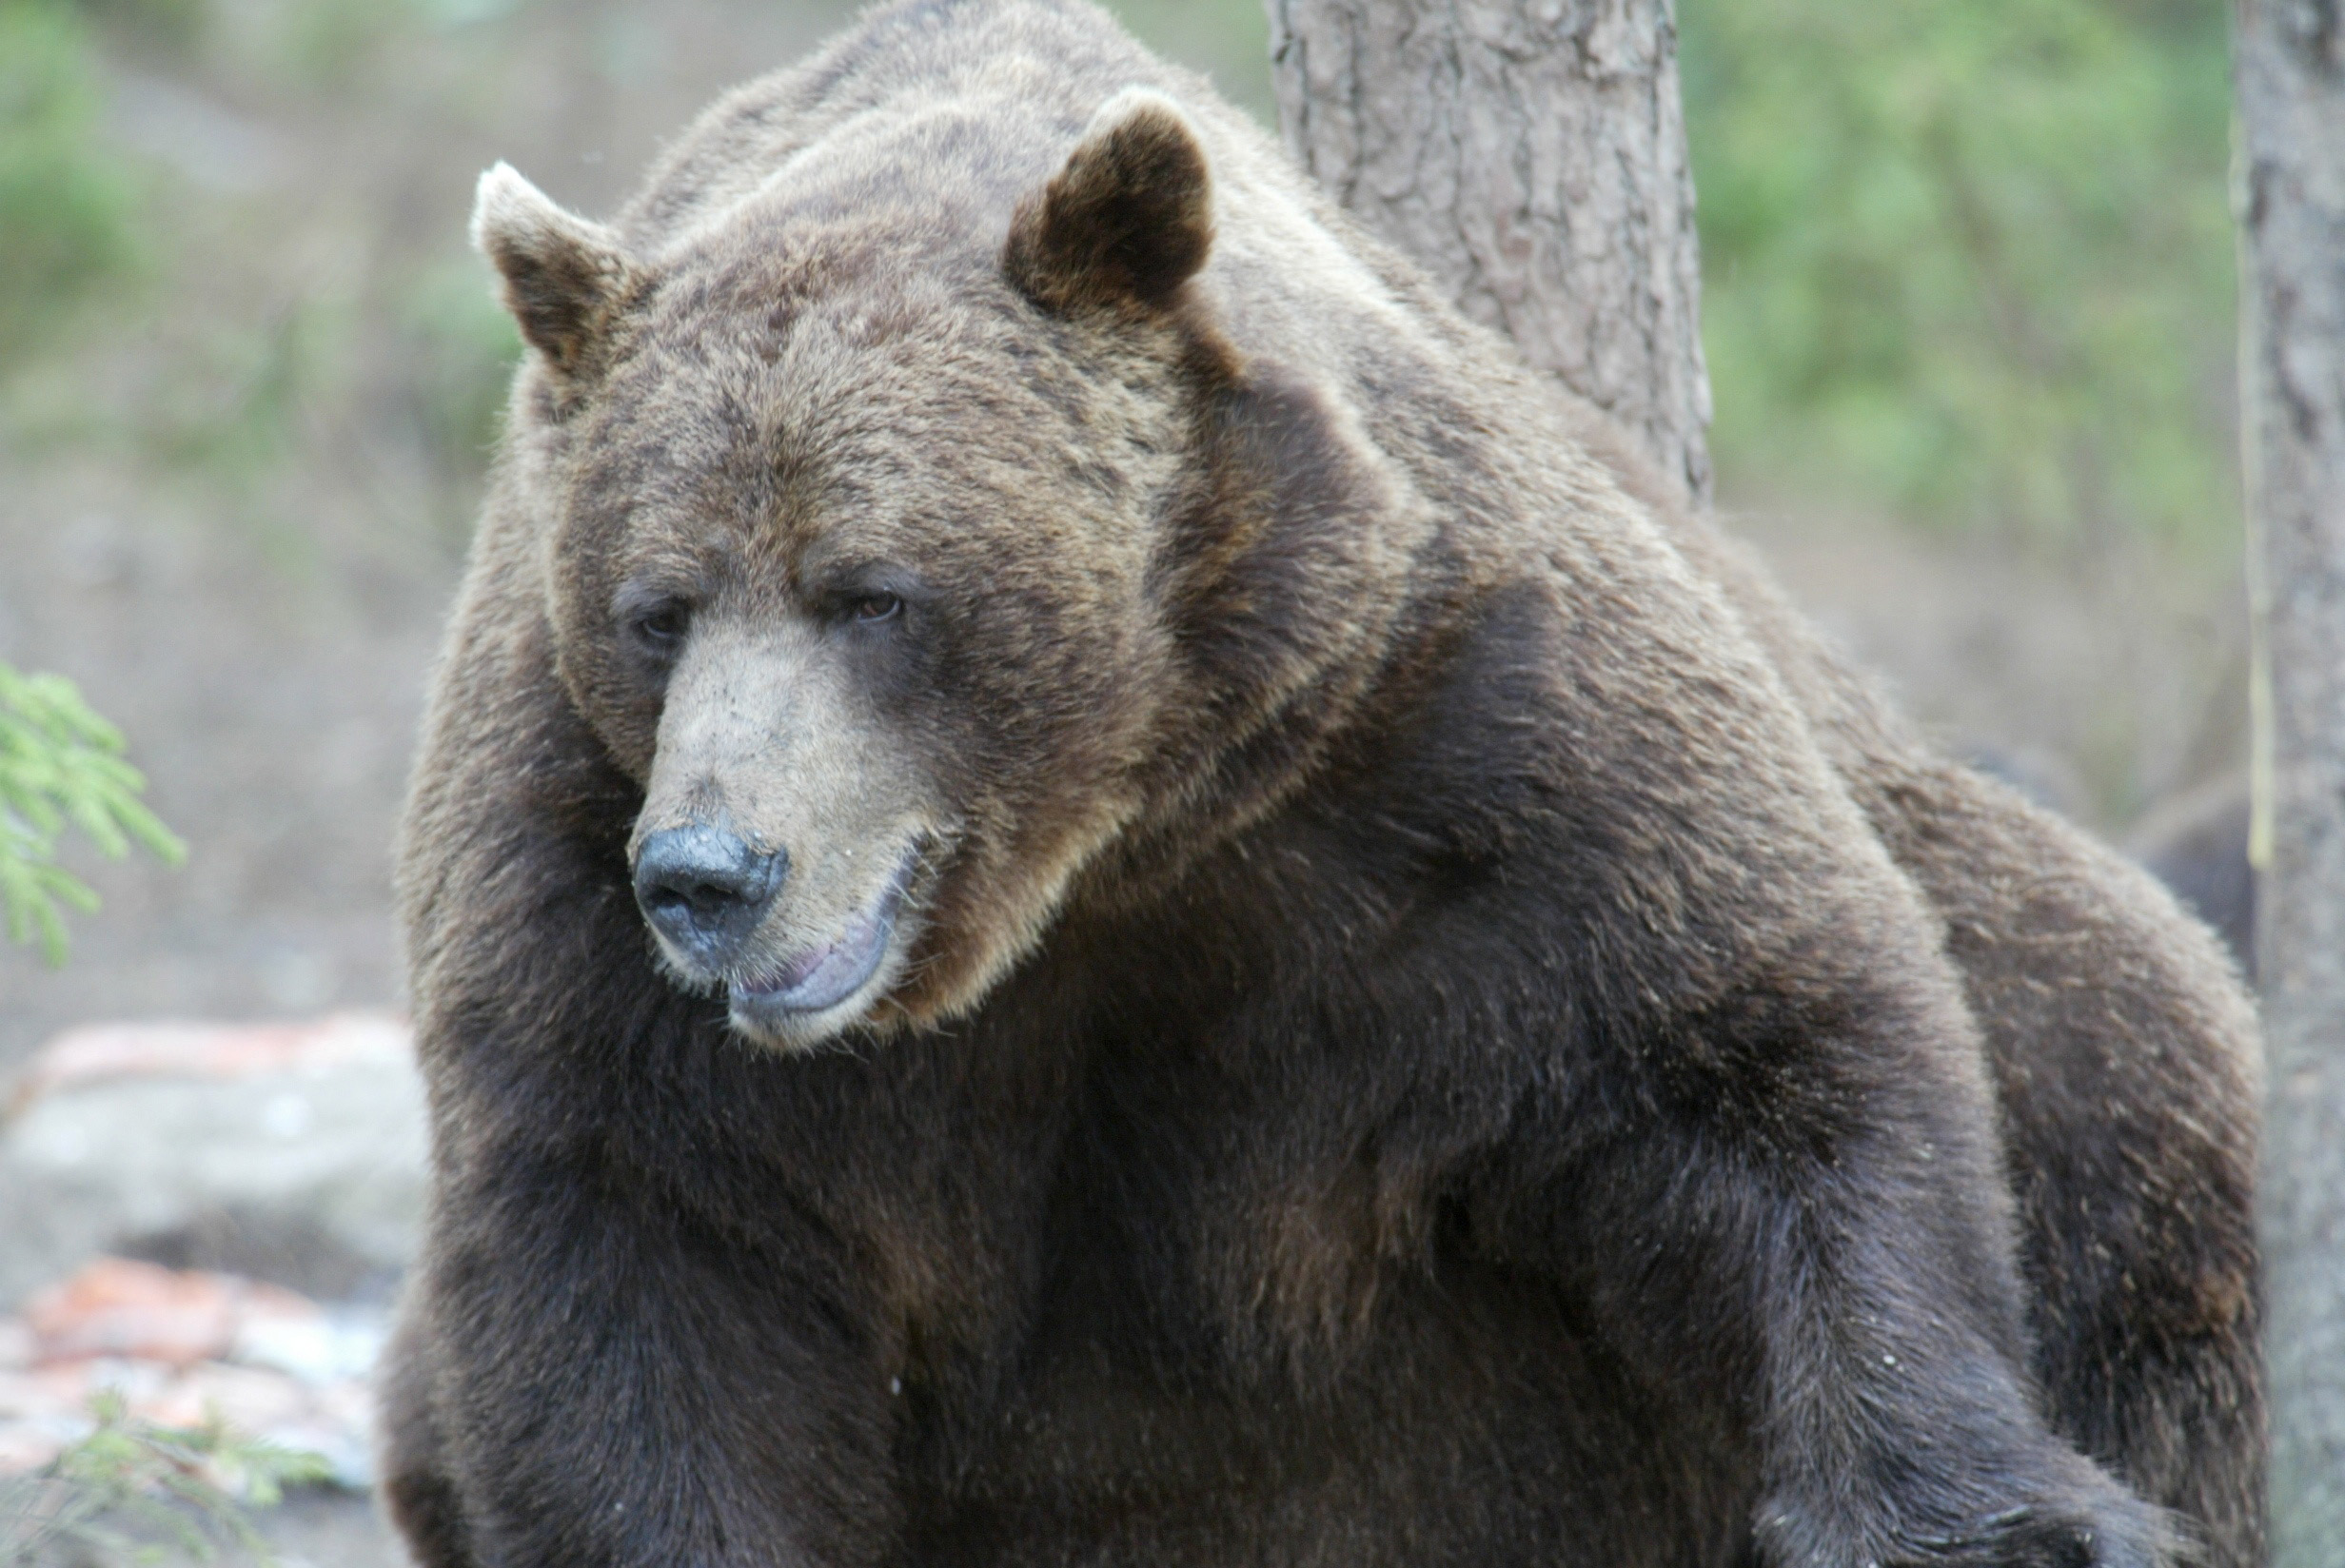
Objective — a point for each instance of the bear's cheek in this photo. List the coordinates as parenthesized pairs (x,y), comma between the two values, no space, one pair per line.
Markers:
(629,730)
(618,698)
(1040,698)
(616,685)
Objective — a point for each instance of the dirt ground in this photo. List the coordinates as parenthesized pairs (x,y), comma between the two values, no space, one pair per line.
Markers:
(233,510)
(330,1530)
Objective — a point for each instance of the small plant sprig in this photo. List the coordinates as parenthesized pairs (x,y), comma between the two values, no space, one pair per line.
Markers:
(60,764)
(134,1491)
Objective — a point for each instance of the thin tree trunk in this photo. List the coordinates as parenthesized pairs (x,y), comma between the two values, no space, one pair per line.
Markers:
(1532,153)
(2291,76)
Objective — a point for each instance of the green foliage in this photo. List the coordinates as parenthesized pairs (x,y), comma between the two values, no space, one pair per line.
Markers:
(135,1492)
(1227,40)
(1970,260)
(60,764)
(462,345)
(231,401)
(64,207)
(162,27)
(327,44)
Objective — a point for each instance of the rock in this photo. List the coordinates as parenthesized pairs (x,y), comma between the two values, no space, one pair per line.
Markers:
(183,1348)
(289,1153)
(116,1307)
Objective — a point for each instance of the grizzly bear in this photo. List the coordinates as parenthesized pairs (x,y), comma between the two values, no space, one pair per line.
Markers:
(1088,885)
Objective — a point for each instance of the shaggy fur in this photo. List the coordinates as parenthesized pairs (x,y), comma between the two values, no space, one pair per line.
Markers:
(1420,1017)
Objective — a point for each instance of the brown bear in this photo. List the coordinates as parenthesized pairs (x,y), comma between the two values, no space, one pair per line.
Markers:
(1087,886)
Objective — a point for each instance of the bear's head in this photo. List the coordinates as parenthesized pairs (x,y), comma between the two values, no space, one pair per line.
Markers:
(910,539)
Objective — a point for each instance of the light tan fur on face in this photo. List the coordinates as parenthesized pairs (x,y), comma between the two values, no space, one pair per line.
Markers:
(762,732)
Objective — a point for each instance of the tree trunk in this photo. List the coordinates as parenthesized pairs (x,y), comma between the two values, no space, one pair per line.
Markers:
(2290,67)
(1532,155)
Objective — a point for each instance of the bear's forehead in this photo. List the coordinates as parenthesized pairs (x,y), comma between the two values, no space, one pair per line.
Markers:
(886,374)
(795,338)
(794,410)
(840,352)
(885,226)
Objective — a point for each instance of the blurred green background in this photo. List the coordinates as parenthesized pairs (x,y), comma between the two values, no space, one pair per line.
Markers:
(1968,311)
(1969,262)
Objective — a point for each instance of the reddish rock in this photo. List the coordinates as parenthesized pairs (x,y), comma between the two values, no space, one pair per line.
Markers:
(212,1051)
(114,1307)
(181,1347)
(288,1151)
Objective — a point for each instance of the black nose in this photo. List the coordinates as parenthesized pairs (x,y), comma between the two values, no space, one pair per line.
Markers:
(705,889)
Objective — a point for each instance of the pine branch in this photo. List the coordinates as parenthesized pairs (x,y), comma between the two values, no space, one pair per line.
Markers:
(61,766)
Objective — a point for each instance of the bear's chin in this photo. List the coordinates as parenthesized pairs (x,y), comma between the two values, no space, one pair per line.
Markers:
(822,994)
(794,1030)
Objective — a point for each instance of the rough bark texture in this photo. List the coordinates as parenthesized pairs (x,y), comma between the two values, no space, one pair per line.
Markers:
(2290,64)
(1533,155)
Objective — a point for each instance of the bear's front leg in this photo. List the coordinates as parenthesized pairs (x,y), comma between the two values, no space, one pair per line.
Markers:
(1788,1204)
(414,1487)
(612,1383)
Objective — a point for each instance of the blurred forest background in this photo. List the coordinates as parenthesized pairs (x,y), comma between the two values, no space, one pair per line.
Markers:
(1968,307)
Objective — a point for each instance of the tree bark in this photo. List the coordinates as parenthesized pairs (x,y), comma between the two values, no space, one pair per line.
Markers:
(1532,155)
(2290,59)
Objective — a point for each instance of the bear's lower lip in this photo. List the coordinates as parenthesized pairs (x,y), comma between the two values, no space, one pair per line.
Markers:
(825,976)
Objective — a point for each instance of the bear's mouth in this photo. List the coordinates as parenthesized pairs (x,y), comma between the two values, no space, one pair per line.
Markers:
(820,978)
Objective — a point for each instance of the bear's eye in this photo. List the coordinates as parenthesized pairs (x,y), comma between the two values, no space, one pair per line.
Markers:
(868,609)
(662,627)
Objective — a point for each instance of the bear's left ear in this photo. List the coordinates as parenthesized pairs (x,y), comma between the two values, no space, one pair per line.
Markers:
(564,276)
(1128,220)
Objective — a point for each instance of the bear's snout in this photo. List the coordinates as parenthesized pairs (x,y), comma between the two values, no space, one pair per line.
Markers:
(705,889)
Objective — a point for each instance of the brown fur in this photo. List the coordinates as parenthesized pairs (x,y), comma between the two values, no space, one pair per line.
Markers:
(1418,1016)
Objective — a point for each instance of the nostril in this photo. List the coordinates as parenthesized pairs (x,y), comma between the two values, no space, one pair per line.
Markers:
(667,896)
(701,882)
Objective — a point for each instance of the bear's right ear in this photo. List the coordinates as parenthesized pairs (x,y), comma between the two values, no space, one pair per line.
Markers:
(564,275)
(1128,220)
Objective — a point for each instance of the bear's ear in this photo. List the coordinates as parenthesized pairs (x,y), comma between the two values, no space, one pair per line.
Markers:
(1127,220)
(564,275)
